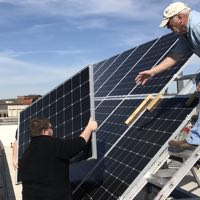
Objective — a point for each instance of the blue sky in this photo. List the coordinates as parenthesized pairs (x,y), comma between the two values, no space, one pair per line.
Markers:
(44,42)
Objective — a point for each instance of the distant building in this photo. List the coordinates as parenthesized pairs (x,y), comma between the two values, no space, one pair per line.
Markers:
(9,113)
(10,108)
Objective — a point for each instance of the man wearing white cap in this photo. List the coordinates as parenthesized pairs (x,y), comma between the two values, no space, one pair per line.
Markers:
(186,22)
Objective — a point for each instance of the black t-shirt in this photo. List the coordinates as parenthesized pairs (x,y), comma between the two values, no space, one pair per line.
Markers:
(45,168)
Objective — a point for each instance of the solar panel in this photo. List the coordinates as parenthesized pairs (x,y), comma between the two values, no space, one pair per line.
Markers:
(113,127)
(124,162)
(121,80)
(68,107)
(123,69)
(98,66)
(109,71)
(149,59)
(104,67)
(125,152)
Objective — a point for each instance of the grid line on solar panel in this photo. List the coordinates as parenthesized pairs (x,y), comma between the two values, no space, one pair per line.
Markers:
(122,71)
(104,67)
(98,66)
(115,122)
(67,107)
(125,68)
(112,129)
(136,148)
(104,109)
(115,65)
(127,84)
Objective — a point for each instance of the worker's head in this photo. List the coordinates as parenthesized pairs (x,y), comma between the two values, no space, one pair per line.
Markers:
(40,126)
(193,119)
(175,17)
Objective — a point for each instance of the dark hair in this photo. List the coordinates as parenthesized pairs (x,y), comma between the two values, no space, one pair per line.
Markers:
(37,125)
(194,119)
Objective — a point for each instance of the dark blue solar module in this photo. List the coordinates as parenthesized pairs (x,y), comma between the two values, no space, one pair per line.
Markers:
(68,107)
(104,109)
(98,66)
(111,129)
(129,156)
(109,71)
(116,77)
(104,67)
(158,82)
(126,84)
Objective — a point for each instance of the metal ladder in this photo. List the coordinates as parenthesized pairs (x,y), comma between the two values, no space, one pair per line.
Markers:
(170,185)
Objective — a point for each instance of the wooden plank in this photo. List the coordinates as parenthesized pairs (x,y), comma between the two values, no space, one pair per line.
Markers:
(154,102)
(138,110)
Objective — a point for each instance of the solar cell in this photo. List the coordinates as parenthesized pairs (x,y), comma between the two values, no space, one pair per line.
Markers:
(68,107)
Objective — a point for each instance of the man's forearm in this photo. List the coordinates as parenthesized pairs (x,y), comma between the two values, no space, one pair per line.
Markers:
(167,63)
(86,134)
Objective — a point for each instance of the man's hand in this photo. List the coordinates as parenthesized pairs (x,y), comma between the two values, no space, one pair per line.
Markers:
(143,77)
(92,125)
(14,156)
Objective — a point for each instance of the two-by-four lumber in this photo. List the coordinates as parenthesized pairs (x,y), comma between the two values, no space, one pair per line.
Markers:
(138,110)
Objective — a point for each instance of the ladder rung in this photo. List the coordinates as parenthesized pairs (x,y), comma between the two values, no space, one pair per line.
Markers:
(156,180)
(166,173)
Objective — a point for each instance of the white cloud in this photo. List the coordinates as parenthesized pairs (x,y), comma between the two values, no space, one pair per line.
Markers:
(13,54)
(21,76)
(80,8)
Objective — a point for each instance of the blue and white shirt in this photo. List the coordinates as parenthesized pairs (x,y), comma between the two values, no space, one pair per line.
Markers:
(191,41)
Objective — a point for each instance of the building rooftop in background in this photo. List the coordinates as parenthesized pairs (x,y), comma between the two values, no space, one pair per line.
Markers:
(20,100)
(10,108)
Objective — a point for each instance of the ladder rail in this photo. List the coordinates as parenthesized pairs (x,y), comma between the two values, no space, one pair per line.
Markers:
(177,177)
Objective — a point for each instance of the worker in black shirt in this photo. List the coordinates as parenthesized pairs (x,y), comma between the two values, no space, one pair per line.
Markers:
(45,164)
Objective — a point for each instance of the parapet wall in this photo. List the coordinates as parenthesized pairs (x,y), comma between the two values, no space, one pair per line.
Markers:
(7,134)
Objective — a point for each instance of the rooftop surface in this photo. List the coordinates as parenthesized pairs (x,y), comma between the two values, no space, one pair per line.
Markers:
(188,183)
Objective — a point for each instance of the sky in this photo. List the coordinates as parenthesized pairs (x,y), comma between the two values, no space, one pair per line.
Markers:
(45,42)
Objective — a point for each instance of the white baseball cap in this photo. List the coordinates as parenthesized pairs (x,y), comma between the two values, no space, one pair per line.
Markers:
(172,10)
